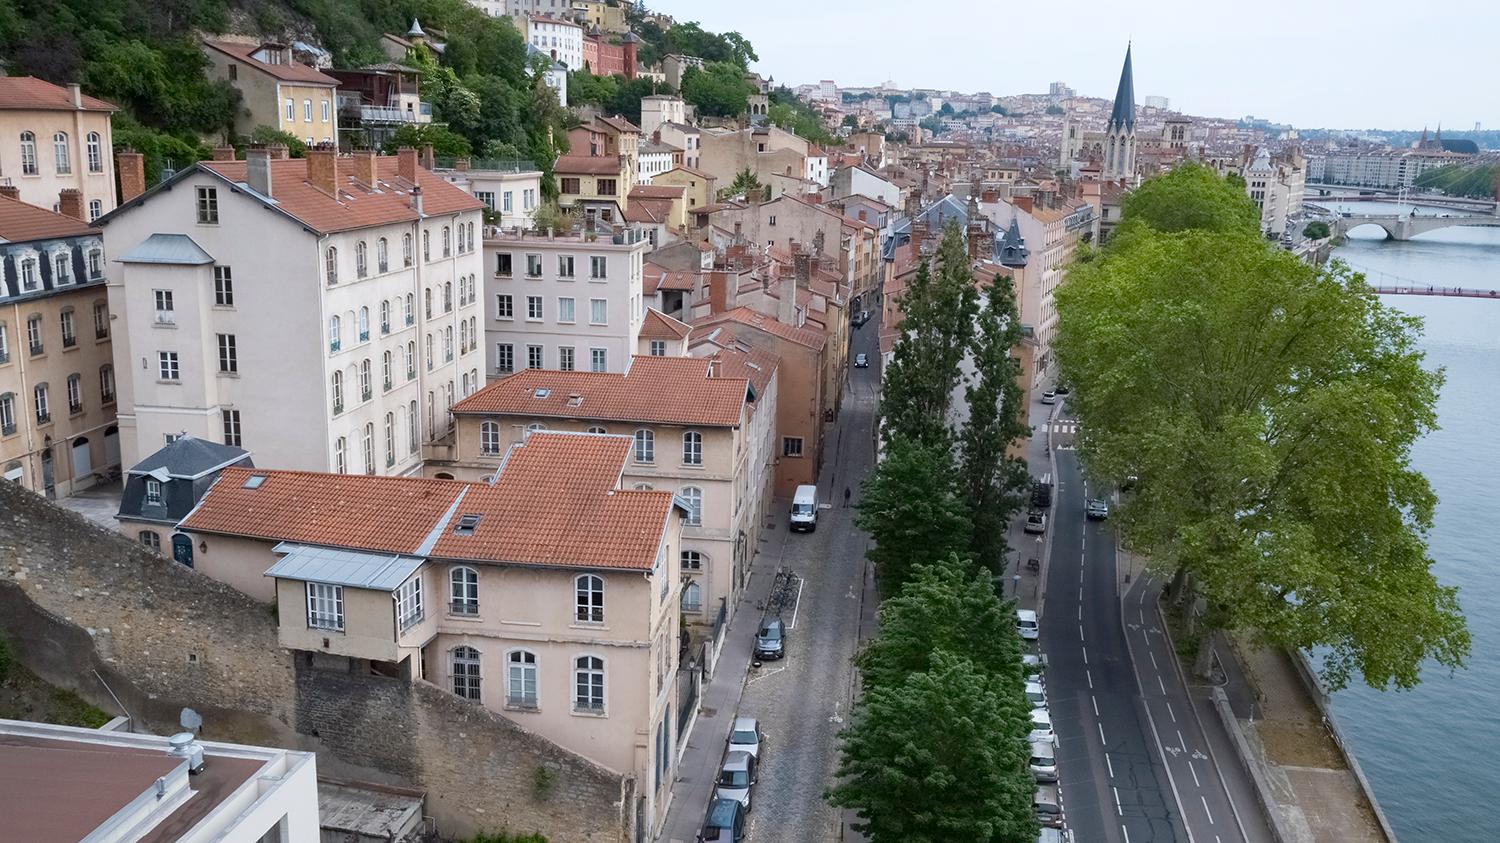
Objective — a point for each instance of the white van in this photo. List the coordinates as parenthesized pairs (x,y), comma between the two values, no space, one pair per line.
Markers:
(805,509)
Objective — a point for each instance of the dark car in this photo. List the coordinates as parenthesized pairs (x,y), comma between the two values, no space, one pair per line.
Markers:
(770,641)
(861,318)
(725,821)
(861,361)
(1096,509)
(1041,494)
(1048,806)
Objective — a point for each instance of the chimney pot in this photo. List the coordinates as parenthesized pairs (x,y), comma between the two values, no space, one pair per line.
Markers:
(70,202)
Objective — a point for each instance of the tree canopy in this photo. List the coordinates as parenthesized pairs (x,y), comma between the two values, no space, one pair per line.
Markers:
(718,89)
(1189,196)
(910,505)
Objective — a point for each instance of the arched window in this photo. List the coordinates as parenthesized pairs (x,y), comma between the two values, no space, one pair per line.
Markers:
(473,332)
(692,597)
(471,236)
(588,598)
(693,496)
(596,429)
(62,265)
(361,266)
(414,430)
(427,303)
(340,455)
(331,264)
(390,439)
(645,446)
(28,158)
(96,210)
(386,359)
(447,242)
(466,672)
(642,487)
(463,585)
(463,338)
(385,317)
(520,679)
(534,427)
(409,310)
(447,296)
(448,344)
(411,359)
(95,155)
(406,249)
(368,442)
(338,392)
(692,448)
(364,324)
(335,333)
(426,245)
(489,437)
(382,255)
(588,684)
(60,152)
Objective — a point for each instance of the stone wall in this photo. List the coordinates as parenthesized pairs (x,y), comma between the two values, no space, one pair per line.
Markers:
(88,610)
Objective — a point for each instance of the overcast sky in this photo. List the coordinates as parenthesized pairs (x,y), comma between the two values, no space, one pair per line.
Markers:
(1417,62)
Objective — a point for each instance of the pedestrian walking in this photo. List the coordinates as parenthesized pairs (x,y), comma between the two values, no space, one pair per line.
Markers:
(846,497)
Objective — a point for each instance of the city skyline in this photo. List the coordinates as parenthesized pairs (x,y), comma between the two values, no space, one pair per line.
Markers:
(1267,76)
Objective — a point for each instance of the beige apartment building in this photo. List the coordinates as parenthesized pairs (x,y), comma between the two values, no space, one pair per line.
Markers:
(57,380)
(549,596)
(54,139)
(276,90)
(322,312)
(704,429)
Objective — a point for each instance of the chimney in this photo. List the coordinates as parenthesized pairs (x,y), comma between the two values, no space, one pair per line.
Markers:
(416,199)
(279,152)
(786,308)
(76,94)
(70,202)
(406,164)
(802,268)
(258,170)
(1022,202)
(428,160)
(461,165)
(131,166)
(10,191)
(364,166)
(718,293)
(713,367)
(323,168)
(223,153)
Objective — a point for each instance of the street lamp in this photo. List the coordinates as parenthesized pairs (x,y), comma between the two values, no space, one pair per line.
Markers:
(1015,586)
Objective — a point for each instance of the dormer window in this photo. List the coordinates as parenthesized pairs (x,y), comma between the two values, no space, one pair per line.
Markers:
(466,525)
(153,492)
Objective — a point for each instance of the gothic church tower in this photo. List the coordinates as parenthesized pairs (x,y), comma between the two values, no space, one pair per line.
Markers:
(1119,136)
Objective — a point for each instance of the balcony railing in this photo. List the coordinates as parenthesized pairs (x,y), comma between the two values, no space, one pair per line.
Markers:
(364,394)
(36,349)
(326,620)
(334,345)
(459,607)
(7,429)
(338,407)
(395,114)
(75,409)
(5,356)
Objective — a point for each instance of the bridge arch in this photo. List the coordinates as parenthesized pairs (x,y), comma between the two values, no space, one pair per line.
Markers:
(1350,226)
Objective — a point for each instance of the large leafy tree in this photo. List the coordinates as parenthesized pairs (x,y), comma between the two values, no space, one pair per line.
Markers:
(745,184)
(933,760)
(1268,408)
(718,89)
(911,506)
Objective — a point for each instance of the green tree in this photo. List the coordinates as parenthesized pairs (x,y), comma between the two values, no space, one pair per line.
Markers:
(992,480)
(159,150)
(1055,110)
(946,110)
(718,89)
(998,109)
(745,184)
(266,135)
(446,143)
(1268,408)
(930,761)
(1316,230)
(933,125)
(911,506)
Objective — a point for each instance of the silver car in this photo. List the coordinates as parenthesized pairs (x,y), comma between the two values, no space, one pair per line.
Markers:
(736,776)
(745,736)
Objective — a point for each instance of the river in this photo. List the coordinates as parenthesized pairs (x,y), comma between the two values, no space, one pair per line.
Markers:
(1433,754)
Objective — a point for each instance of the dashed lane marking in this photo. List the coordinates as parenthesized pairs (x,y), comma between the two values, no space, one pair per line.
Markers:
(1180,742)
(1170,712)
(1086,661)
(1110,764)
(1194,771)
(1162,684)
(1090,677)
(1101,734)
(1153,660)
(1204,800)
(1095,701)
(1118,811)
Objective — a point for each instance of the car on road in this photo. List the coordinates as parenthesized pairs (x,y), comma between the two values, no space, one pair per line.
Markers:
(770,639)
(1041,493)
(725,821)
(1049,397)
(1048,806)
(1097,509)
(861,318)
(736,775)
(1043,761)
(745,736)
(1034,664)
(861,361)
(1041,726)
(1036,694)
(1036,522)
(1054,835)
(1026,624)
(1063,389)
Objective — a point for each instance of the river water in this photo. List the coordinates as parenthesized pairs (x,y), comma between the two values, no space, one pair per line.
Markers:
(1433,754)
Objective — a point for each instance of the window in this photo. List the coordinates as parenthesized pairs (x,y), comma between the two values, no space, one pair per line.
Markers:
(464,591)
(534,308)
(588,684)
(533,357)
(606,187)
(487,197)
(43,407)
(564,266)
(588,593)
(150,539)
(338,392)
(411,359)
(229,358)
(390,439)
(448,344)
(107,384)
(34,335)
(361,267)
(331,264)
(645,446)
(693,496)
(692,597)
(368,442)
(466,672)
(7,414)
(598,311)
(291,106)
(504,306)
(596,429)
(231,420)
(409,603)
(520,678)
(534,266)
(325,606)
(409,309)
(4,344)
(426,245)
(599,359)
(223,287)
(166,314)
(505,357)
(406,249)
(771,220)
(570,185)
(62,269)
(692,448)
(69,335)
(565,313)
(565,358)
(502,264)
(28,154)
(385,369)
(364,324)
(96,263)
(427,303)
(692,560)
(307,111)
(340,453)
(167,365)
(791,446)
(489,437)
(598,267)
(448,297)
(658,348)
(414,429)
(208,205)
(385,317)
(365,390)
(60,152)
(335,333)
(75,395)
(153,492)
(447,242)
(325,105)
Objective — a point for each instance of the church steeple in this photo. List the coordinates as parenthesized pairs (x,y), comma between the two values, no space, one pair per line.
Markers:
(1123,115)
(1119,135)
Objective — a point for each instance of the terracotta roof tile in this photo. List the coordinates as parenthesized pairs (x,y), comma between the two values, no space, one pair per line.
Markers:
(740,360)
(31,93)
(294,72)
(648,210)
(660,326)
(658,191)
(664,390)
(759,321)
(656,277)
(20,222)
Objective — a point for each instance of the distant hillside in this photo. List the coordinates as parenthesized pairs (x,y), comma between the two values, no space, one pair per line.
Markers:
(1475,180)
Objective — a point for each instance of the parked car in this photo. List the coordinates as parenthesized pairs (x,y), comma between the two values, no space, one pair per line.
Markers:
(1097,509)
(1055,835)
(725,821)
(1043,762)
(1041,726)
(736,775)
(1063,389)
(1026,624)
(1036,522)
(861,318)
(745,736)
(770,640)
(1048,806)
(1036,694)
(1130,481)
(1041,493)
(1034,665)
(1049,397)
(861,361)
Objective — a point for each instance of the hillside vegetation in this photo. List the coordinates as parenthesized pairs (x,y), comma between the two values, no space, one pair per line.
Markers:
(1476,181)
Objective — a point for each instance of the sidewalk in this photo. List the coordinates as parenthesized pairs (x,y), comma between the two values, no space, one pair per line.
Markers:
(1027,592)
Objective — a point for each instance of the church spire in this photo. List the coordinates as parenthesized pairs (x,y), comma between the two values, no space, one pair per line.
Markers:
(1123,116)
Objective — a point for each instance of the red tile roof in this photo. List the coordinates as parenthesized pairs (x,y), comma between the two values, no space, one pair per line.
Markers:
(31,93)
(760,322)
(655,277)
(662,390)
(660,326)
(20,222)
(294,72)
(658,191)
(356,206)
(589,165)
(619,124)
(738,360)
(648,210)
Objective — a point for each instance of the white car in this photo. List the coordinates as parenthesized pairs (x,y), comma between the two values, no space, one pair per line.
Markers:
(1041,727)
(1026,624)
(1049,397)
(1036,694)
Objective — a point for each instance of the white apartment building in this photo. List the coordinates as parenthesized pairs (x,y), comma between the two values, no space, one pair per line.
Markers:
(322,312)
(1276,187)
(567,302)
(562,40)
(653,159)
(657,109)
(512,190)
(817,166)
(684,137)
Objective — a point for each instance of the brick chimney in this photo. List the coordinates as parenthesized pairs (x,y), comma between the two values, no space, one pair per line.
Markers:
(279,152)
(323,168)
(1022,202)
(406,164)
(223,153)
(718,292)
(10,191)
(131,167)
(802,268)
(428,159)
(364,166)
(70,202)
(258,169)
(461,165)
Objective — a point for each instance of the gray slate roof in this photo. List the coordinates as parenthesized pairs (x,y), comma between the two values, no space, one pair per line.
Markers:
(167,248)
(1124,110)
(352,568)
(189,457)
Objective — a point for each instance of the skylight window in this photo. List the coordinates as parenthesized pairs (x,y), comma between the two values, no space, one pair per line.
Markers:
(542,392)
(466,525)
(254,481)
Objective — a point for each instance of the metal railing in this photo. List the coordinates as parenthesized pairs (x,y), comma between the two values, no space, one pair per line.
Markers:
(499,165)
(395,114)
